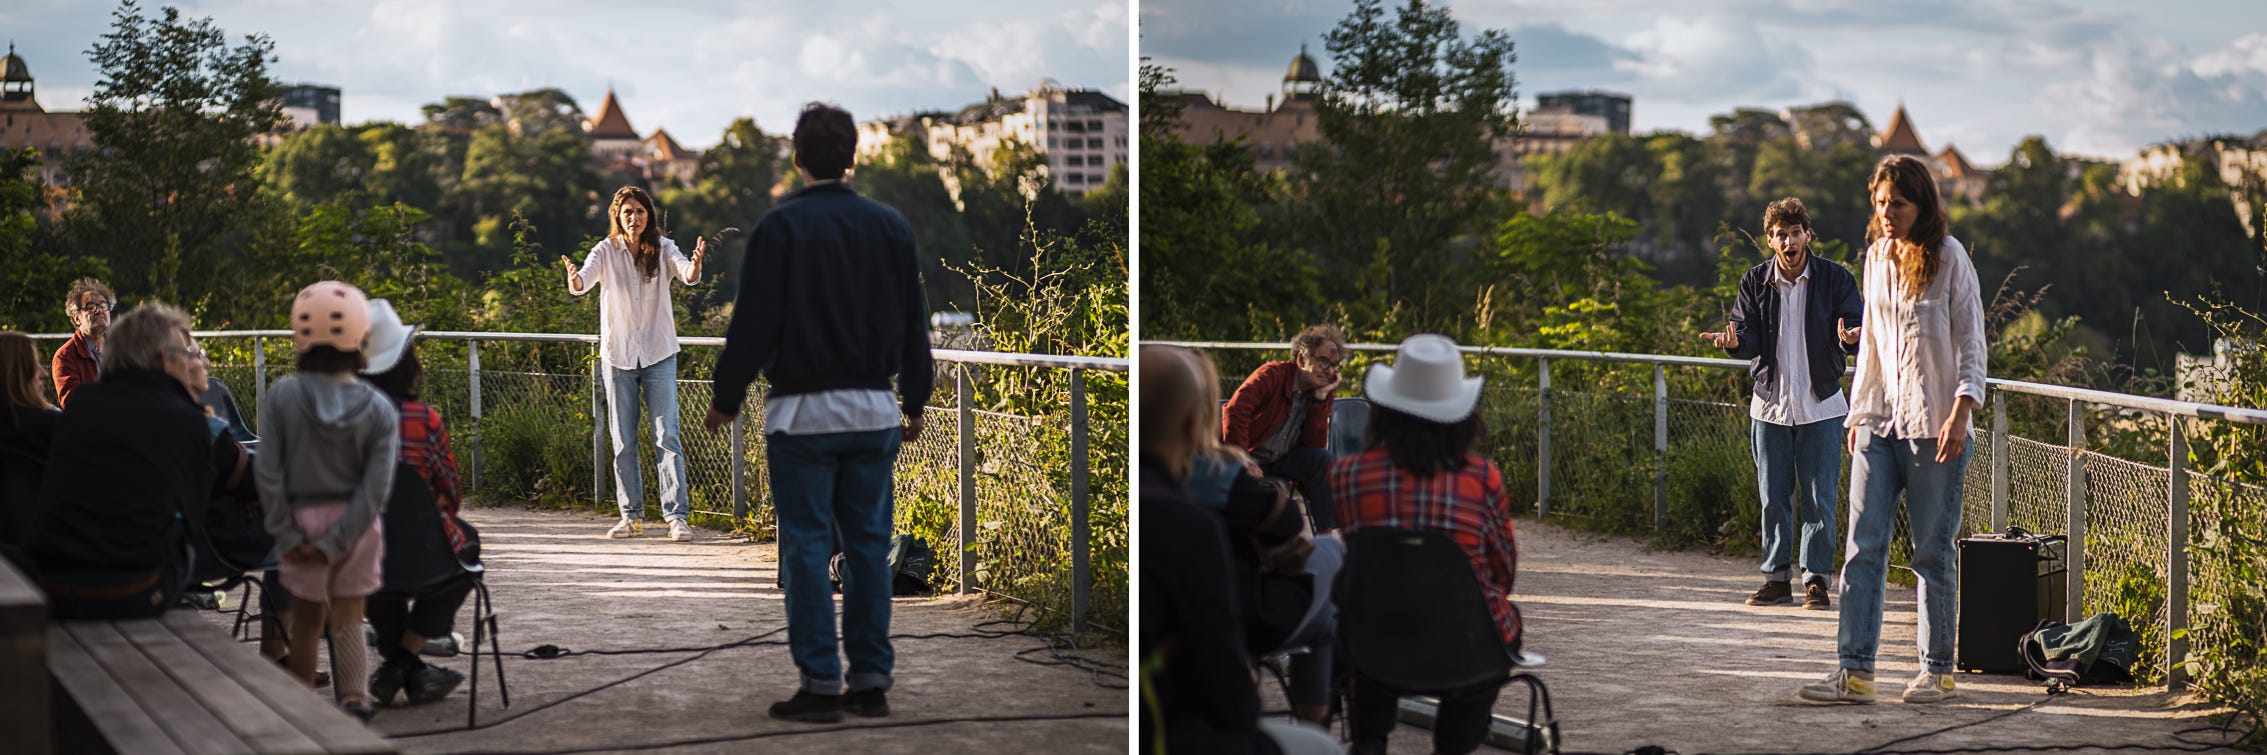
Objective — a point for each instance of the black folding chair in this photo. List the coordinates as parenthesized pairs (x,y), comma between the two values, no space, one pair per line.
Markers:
(418,556)
(1412,617)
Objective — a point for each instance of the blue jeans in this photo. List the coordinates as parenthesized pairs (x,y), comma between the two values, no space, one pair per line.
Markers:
(825,488)
(1798,468)
(1883,468)
(657,383)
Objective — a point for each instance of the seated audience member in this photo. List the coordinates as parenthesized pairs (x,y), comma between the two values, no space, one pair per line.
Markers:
(130,474)
(27,425)
(79,360)
(1197,692)
(1418,472)
(405,625)
(1280,417)
(1284,575)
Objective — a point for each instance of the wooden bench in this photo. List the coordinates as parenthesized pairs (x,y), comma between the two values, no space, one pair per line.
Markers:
(23,663)
(179,684)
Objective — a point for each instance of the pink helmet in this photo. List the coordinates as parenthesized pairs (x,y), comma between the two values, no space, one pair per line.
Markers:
(330,313)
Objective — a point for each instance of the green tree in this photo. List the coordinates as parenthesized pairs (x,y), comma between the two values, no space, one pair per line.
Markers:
(734,188)
(174,115)
(1406,167)
(33,275)
(316,165)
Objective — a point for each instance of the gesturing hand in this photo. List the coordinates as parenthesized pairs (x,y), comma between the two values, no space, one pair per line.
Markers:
(1729,339)
(574,274)
(1848,335)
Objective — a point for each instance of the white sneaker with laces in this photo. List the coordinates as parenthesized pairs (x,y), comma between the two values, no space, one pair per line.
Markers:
(1929,687)
(626,528)
(680,532)
(1842,686)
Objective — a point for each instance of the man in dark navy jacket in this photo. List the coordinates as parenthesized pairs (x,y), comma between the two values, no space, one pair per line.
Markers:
(1796,318)
(830,309)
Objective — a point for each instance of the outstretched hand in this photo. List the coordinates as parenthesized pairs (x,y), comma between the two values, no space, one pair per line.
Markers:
(1848,335)
(1729,339)
(574,274)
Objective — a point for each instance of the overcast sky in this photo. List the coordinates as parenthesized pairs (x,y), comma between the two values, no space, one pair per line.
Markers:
(2098,77)
(691,67)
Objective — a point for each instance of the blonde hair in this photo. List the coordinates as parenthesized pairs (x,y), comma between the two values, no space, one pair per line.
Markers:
(139,338)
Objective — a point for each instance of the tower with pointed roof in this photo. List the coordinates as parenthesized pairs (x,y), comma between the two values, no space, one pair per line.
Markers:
(24,123)
(611,137)
(1303,82)
(1900,138)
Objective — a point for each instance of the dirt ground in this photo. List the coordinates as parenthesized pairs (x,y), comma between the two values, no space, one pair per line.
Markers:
(558,580)
(1657,648)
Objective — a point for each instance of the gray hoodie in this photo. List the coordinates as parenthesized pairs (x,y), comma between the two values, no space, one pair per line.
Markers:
(326,439)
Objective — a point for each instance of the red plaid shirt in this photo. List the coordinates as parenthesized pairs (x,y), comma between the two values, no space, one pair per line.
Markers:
(425,448)
(1467,504)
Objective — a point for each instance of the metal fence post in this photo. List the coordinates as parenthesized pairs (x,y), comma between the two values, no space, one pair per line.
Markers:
(259,381)
(1660,448)
(1999,461)
(1081,583)
(597,435)
(1543,442)
(2075,479)
(967,432)
(739,469)
(472,361)
(2176,561)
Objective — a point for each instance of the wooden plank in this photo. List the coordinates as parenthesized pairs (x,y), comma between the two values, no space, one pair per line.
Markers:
(89,693)
(312,712)
(23,660)
(182,717)
(261,728)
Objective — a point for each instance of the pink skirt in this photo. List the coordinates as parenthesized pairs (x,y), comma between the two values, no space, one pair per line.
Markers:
(356,575)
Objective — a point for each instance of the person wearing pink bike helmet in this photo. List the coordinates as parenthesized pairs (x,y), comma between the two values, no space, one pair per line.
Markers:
(325,468)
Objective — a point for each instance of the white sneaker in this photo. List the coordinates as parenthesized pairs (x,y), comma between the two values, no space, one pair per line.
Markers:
(1930,687)
(1842,686)
(680,532)
(626,528)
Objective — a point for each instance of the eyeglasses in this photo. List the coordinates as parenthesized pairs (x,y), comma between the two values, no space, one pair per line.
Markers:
(94,306)
(192,352)
(1330,363)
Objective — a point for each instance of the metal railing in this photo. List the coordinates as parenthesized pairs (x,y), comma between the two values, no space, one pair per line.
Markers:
(1005,505)
(2128,521)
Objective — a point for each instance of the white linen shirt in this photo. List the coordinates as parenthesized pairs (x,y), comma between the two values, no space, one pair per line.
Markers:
(1797,405)
(1918,355)
(637,325)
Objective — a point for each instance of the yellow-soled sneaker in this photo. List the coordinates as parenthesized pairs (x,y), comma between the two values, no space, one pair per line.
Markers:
(626,528)
(1929,687)
(1842,686)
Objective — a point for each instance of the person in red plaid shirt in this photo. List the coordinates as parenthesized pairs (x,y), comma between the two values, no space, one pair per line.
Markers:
(1418,472)
(420,623)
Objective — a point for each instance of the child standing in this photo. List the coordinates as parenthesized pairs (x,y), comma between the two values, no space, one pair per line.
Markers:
(325,469)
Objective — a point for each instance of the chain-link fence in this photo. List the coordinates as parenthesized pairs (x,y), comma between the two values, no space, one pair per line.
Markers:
(1604,456)
(529,420)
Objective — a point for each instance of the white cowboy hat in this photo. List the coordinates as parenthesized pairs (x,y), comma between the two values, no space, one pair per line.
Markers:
(1426,380)
(389,338)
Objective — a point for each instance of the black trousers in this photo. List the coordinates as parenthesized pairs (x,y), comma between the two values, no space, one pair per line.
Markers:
(1309,469)
(1459,727)
(432,612)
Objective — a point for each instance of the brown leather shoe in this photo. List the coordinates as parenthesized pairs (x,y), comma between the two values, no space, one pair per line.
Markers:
(1814,595)
(1772,594)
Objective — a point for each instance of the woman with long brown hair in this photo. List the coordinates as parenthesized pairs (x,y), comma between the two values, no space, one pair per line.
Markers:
(1920,377)
(27,420)
(637,339)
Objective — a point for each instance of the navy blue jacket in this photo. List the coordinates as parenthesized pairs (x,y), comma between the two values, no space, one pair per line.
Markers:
(830,298)
(1833,294)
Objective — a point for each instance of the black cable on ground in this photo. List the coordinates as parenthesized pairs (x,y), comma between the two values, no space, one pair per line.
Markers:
(750,641)
(802,732)
(2053,691)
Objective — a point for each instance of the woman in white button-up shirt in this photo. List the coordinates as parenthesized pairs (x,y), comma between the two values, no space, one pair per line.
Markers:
(637,339)
(1920,375)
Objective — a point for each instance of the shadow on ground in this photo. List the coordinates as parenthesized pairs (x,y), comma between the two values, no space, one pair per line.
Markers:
(558,580)
(1657,648)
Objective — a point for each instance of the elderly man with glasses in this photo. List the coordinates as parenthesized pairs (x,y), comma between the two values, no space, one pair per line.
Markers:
(1281,417)
(79,360)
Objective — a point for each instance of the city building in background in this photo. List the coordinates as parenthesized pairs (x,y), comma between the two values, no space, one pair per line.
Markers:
(1082,134)
(308,105)
(24,123)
